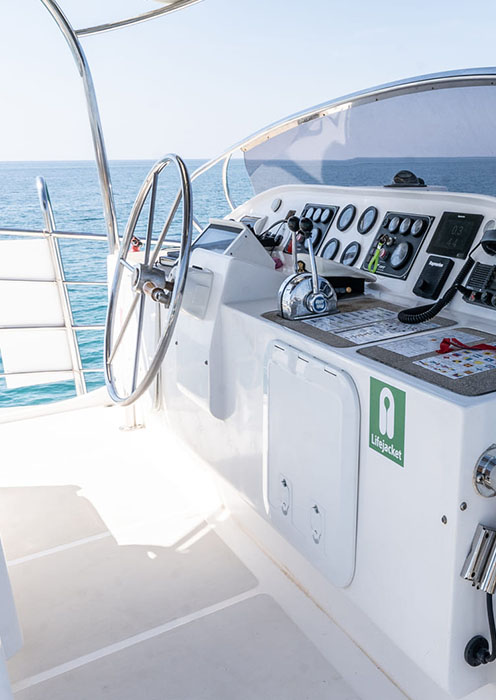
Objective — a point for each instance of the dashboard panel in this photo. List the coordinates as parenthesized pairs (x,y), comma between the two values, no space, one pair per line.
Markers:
(426,235)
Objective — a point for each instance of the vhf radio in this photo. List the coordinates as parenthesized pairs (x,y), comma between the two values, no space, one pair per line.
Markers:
(480,288)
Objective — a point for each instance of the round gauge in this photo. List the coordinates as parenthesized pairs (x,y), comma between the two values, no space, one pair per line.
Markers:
(309,212)
(330,249)
(315,237)
(367,220)
(316,215)
(417,227)
(346,217)
(350,254)
(324,218)
(405,225)
(400,255)
(393,224)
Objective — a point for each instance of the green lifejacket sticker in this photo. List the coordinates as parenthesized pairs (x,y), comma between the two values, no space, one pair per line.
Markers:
(387,421)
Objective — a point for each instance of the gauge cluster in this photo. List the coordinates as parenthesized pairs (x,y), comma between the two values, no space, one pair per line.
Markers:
(322,216)
(396,244)
(348,253)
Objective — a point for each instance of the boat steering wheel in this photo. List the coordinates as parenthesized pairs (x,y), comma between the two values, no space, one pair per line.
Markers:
(163,285)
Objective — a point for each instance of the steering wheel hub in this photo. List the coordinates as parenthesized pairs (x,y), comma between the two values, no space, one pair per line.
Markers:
(143,274)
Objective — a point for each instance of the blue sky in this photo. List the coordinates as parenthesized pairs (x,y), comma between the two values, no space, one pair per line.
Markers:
(203,78)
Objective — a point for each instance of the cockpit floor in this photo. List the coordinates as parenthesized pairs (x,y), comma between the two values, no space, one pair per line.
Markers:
(126,590)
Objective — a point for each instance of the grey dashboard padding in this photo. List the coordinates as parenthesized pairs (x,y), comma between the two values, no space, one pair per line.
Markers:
(473,385)
(336,341)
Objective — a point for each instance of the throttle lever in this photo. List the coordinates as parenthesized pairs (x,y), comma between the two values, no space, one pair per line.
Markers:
(306,227)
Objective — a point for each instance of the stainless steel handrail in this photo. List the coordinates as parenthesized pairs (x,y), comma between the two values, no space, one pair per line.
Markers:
(436,81)
(38,233)
(46,371)
(71,329)
(225,181)
(67,282)
(45,204)
(52,327)
(130,21)
(58,268)
(95,122)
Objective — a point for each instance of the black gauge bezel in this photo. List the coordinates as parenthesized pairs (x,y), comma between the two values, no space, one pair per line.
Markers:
(335,241)
(360,226)
(347,208)
(357,255)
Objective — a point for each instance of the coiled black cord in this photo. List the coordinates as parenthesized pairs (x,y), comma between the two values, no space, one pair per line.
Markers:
(492,628)
(424,313)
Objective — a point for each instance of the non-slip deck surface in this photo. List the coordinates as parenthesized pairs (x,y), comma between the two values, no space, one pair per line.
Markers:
(124,592)
(249,651)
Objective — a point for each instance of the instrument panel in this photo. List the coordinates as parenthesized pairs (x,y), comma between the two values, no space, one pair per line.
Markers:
(414,241)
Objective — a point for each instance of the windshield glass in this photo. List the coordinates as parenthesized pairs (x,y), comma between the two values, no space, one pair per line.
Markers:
(445,136)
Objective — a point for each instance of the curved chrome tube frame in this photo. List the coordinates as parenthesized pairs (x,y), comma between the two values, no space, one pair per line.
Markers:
(173,6)
(95,123)
(71,36)
(111,344)
(435,81)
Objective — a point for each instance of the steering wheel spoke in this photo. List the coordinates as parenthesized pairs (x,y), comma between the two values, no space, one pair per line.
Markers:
(139,338)
(148,279)
(163,233)
(151,217)
(124,326)
(126,265)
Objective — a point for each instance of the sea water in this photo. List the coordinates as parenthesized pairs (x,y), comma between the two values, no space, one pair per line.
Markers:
(76,201)
(77,204)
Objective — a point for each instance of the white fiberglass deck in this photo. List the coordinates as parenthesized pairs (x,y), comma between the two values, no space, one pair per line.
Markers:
(131,580)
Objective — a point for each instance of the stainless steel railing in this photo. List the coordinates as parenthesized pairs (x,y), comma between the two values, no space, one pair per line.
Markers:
(95,123)
(52,236)
(54,248)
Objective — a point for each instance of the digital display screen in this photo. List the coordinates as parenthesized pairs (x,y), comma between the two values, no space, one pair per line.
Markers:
(217,238)
(455,234)
(250,221)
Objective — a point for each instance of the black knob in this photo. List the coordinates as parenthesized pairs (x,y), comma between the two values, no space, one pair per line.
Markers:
(294,223)
(306,226)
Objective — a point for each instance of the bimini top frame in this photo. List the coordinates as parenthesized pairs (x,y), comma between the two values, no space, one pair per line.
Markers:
(435,81)
(71,36)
